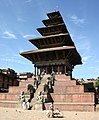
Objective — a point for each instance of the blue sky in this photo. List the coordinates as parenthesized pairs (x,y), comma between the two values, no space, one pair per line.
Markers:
(20,18)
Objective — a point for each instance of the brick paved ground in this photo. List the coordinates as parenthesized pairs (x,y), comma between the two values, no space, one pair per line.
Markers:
(19,114)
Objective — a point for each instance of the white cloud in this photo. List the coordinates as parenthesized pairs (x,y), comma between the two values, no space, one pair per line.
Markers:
(9,35)
(21,20)
(92,67)
(84,47)
(21,50)
(29,36)
(28,1)
(85,59)
(76,20)
(13,59)
(83,44)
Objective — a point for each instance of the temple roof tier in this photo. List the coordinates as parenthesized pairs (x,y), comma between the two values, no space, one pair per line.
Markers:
(54,14)
(53,21)
(55,47)
(53,41)
(56,53)
(52,30)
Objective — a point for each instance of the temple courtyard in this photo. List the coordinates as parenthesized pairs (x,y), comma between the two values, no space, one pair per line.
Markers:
(19,114)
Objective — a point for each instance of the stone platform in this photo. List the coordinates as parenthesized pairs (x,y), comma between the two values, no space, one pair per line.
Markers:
(10,99)
(70,96)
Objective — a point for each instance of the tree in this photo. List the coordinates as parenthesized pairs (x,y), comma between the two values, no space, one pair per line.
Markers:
(97,82)
(81,81)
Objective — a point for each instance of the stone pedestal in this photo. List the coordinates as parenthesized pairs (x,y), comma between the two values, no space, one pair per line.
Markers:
(39,106)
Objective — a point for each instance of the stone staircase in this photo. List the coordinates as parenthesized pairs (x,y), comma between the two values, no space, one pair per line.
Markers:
(10,99)
(40,88)
(70,96)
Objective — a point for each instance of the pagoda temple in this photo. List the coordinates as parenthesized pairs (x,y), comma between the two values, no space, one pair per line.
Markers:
(56,50)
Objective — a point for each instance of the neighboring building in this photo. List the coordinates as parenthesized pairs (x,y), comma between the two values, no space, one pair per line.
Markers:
(92,80)
(8,77)
(24,75)
(56,50)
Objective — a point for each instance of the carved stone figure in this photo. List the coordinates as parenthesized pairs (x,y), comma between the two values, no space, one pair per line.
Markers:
(31,90)
(49,82)
(40,97)
(22,99)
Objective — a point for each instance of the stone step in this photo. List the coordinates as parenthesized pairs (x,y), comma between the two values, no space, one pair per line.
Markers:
(69,89)
(72,106)
(66,83)
(97,107)
(9,104)
(62,77)
(73,97)
(11,97)
(30,79)
(25,82)
(17,89)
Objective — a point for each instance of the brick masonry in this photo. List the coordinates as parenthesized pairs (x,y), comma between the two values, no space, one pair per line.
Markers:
(70,96)
(10,99)
(67,95)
